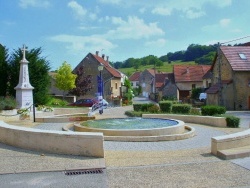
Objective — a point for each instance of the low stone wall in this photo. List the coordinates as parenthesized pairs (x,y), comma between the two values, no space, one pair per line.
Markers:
(205,120)
(63,118)
(58,111)
(59,142)
(235,140)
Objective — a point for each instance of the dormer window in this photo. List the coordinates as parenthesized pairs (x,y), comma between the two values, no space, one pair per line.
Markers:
(242,56)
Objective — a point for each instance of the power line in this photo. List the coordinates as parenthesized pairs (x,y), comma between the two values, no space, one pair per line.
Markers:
(235,39)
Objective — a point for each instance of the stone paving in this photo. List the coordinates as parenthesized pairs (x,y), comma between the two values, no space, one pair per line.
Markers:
(183,163)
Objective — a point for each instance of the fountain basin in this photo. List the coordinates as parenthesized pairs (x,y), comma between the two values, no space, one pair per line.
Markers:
(167,132)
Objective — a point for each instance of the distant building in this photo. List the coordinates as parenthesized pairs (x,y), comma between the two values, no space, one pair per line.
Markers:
(134,79)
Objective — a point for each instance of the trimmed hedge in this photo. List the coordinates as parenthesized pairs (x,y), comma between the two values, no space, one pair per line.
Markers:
(232,121)
(133,113)
(137,107)
(181,108)
(211,110)
(166,106)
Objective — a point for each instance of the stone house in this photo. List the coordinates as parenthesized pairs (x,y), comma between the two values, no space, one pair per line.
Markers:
(188,77)
(134,79)
(231,78)
(146,81)
(169,89)
(112,78)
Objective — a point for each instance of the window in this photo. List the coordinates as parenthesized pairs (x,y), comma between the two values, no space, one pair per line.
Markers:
(193,86)
(116,85)
(242,56)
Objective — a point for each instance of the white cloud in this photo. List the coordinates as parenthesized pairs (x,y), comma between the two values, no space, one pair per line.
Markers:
(191,8)
(164,11)
(224,22)
(34,3)
(78,10)
(80,44)
(133,28)
(156,43)
(110,1)
(142,10)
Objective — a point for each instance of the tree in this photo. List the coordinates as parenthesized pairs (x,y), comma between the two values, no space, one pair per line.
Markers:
(4,73)
(82,82)
(38,72)
(65,79)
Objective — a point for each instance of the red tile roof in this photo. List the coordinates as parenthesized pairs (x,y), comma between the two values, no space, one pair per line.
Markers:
(160,79)
(107,66)
(135,76)
(232,55)
(189,73)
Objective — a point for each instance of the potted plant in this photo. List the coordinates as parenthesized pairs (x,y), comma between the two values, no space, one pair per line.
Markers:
(24,113)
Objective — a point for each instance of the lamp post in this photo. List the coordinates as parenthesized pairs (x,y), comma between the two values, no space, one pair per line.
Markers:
(100,69)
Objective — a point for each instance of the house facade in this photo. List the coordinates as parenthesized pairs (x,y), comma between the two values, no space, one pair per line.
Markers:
(112,78)
(147,82)
(188,77)
(134,79)
(231,78)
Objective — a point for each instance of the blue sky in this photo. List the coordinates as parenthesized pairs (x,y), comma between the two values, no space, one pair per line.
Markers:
(67,30)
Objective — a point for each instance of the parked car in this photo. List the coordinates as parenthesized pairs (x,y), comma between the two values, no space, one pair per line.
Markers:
(83,103)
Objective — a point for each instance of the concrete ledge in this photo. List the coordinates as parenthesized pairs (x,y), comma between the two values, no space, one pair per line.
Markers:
(220,144)
(64,118)
(59,142)
(205,120)
(190,133)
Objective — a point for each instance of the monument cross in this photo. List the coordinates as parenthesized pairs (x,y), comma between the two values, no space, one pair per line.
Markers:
(24,94)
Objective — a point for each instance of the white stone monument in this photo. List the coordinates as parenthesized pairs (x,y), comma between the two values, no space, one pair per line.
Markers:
(24,93)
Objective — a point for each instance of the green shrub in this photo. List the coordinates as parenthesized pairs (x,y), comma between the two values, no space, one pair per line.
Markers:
(154,109)
(232,121)
(137,107)
(145,107)
(133,113)
(211,110)
(181,108)
(195,111)
(7,103)
(165,106)
(57,102)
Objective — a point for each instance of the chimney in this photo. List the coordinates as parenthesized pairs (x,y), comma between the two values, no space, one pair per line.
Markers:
(103,56)
(107,58)
(96,53)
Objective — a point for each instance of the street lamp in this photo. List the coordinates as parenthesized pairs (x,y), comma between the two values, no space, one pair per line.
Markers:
(100,69)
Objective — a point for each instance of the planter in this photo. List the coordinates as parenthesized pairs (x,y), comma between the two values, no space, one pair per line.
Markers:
(9,112)
(24,117)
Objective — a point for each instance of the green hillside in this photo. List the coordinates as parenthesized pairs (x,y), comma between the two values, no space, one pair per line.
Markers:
(167,67)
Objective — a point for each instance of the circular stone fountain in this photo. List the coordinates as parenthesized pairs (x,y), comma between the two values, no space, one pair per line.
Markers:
(137,129)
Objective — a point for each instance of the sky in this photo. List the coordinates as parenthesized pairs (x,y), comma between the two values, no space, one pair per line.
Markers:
(67,30)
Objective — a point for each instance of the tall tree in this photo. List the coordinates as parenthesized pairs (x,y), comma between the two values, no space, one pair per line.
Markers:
(65,79)
(38,72)
(4,76)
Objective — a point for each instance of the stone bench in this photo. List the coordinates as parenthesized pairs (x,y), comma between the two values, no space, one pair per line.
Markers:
(58,142)
(232,146)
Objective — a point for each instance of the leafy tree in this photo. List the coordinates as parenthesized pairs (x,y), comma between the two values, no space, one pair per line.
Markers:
(206,59)
(82,82)
(4,73)
(65,79)
(38,72)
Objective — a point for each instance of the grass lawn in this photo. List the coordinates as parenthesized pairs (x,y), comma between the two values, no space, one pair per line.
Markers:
(167,67)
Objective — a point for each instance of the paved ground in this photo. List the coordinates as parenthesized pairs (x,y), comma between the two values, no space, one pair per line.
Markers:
(184,163)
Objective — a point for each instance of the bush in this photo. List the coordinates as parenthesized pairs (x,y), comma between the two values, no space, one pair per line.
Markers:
(133,113)
(137,107)
(145,107)
(181,108)
(57,102)
(195,111)
(232,121)
(165,106)
(154,109)
(211,110)
(7,103)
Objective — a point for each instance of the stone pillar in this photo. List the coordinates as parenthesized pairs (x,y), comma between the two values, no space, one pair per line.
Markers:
(24,90)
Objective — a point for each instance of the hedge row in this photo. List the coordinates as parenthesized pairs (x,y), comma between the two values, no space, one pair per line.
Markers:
(211,110)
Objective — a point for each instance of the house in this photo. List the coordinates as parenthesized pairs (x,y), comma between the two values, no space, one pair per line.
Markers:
(134,79)
(231,78)
(146,81)
(188,77)
(112,78)
(169,90)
